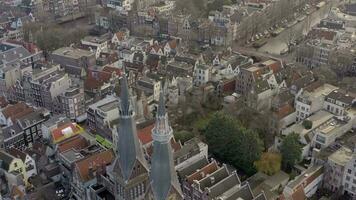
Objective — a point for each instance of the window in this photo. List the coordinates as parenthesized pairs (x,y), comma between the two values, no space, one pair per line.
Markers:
(349,171)
(348,178)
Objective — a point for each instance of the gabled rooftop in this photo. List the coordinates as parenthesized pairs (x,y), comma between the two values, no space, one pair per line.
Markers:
(87,167)
(213,178)
(203,172)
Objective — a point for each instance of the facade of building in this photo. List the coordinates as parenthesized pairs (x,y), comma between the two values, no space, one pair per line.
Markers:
(202,74)
(26,130)
(309,101)
(43,87)
(29,162)
(13,165)
(337,102)
(349,180)
(74,61)
(102,112)
(305,185)
(335,169)
(73,104)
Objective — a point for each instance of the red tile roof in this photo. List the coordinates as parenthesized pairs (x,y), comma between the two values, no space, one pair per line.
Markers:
(322,34)
(284,111)
(299,194)
(173,44)
(203,172)
(17,193)
(17,111)
(58,134)
(111,70)
(145,134)
(97,79)
(275,67)
(77,142)
(93,163)
(3,102)
(120,35)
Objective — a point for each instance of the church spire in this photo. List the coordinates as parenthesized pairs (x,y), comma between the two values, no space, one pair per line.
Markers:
(164,181)
(129,150)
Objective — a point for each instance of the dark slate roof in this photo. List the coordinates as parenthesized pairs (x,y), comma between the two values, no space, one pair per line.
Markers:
(191,168)
(244,193)
(214,178)
(224,185)
(17,153)
(261,196)
(340,96)
(129,149)
(163,174)
(5,160)
(15,53)
(161,106)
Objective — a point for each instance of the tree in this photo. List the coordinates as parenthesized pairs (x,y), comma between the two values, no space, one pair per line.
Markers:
(291,151)
(51,38)
(230,142)
(183,136)
(269,163)
(307,124)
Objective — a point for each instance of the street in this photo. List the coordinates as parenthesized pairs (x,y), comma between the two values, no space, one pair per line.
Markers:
(276,44)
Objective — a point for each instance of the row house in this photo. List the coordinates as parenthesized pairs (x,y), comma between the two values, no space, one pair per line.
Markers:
(335,168)
(349,179)
(340,174)
(42,87)
(101,113)
(208,180)
(10,113)
(29,162)
(73,104)
(338,102)
(13,167)
(96,44)
(149,86)
(26,130)
(87,170)
(314,53)
(311,99)
(13,56)
(305,185)
(250,75)
(202,74)
(101,82)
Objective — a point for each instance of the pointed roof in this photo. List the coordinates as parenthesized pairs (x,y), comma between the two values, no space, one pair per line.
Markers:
(164,179)
(161,106)
(124,96)
(129,149)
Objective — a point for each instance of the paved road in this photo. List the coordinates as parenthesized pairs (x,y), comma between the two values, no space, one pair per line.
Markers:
(289,58)
(276,44)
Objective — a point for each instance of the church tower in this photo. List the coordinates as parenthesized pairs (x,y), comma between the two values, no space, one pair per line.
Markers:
(130,170)
(164,183)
